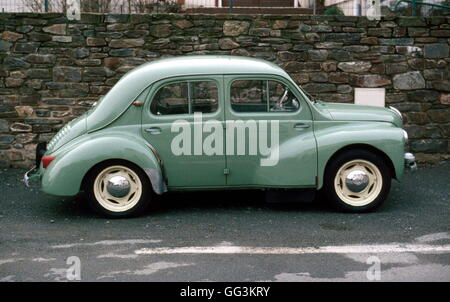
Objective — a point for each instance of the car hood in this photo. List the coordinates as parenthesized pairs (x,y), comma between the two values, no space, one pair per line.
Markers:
(71,130)
(351,112)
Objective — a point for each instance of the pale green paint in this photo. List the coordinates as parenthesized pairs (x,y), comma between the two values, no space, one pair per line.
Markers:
(351,112)
(132,84)
(184,170)
(334,135)
(114,130)
(297,165)
(65,174)
(70,131)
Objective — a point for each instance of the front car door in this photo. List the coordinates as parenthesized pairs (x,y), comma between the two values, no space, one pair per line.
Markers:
(178,116)
(269,133)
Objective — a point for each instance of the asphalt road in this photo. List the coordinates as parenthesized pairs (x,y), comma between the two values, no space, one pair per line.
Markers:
(228,236)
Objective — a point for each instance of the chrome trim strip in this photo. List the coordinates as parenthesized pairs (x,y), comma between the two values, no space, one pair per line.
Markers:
(396,111)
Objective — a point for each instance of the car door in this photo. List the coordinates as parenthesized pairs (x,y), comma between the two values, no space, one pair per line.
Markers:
(279,147)
(176,114)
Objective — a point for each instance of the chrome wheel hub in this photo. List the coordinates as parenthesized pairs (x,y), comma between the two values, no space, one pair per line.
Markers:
(118,186)
(356,181)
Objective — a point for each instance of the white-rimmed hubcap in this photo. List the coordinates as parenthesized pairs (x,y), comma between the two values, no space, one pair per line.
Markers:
(358,182)
(117,188)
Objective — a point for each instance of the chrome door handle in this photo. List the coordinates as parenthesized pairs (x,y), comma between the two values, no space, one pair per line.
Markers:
(153,130)
(301,126)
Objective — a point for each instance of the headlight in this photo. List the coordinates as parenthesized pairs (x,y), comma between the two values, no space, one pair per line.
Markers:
(396,111)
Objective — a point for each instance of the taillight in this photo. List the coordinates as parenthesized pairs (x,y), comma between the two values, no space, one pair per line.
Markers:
(46,160)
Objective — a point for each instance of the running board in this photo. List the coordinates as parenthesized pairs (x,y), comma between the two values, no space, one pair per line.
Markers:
(290,196)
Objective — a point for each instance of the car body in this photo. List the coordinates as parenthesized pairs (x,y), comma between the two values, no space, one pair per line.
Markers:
(136,123)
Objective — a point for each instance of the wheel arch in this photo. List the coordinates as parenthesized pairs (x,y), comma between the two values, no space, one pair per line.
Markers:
(359,146)
(125,162)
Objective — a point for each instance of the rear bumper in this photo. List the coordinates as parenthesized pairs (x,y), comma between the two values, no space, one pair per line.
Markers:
(34,173)
(31,176)
(410,161)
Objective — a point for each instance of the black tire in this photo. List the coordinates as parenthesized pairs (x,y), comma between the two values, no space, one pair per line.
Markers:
(336,163)
(141,205)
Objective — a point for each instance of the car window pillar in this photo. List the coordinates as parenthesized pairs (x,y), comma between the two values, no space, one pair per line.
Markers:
(189,86)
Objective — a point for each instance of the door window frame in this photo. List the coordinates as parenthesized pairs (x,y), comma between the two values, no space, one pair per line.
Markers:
(216,78)
(230,78)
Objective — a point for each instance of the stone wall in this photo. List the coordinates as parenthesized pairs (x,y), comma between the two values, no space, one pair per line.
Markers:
(53,69)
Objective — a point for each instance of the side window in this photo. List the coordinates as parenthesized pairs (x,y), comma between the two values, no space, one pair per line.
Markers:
(249,96)
(281,98)
(186,98)
(171,99)
(262,96)
(205,96)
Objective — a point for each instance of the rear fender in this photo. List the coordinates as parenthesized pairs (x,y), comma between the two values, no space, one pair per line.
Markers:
(65,174)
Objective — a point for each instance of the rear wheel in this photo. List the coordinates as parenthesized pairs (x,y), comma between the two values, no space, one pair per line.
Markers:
(357,181)
(118,189)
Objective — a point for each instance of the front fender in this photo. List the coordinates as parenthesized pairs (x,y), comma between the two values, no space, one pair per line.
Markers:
(334,136)
(65,174)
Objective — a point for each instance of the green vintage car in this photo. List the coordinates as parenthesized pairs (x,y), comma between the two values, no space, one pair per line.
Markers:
(221,122)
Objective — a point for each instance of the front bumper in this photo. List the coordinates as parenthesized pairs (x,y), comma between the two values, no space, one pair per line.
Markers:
(410,161)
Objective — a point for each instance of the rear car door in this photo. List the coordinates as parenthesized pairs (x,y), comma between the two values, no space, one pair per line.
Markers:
(176,113)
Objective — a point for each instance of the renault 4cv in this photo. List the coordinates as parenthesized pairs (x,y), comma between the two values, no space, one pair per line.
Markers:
(221,122)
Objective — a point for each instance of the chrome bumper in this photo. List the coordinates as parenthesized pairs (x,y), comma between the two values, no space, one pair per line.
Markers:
(410,161)
(31,175)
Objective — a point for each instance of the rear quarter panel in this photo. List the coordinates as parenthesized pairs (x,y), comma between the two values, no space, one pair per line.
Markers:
(65,174)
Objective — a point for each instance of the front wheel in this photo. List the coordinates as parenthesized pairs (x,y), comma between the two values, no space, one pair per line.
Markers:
(118,189)
(357,181)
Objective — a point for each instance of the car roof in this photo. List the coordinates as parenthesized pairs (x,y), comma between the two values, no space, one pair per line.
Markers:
(134,82)
(205,64)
